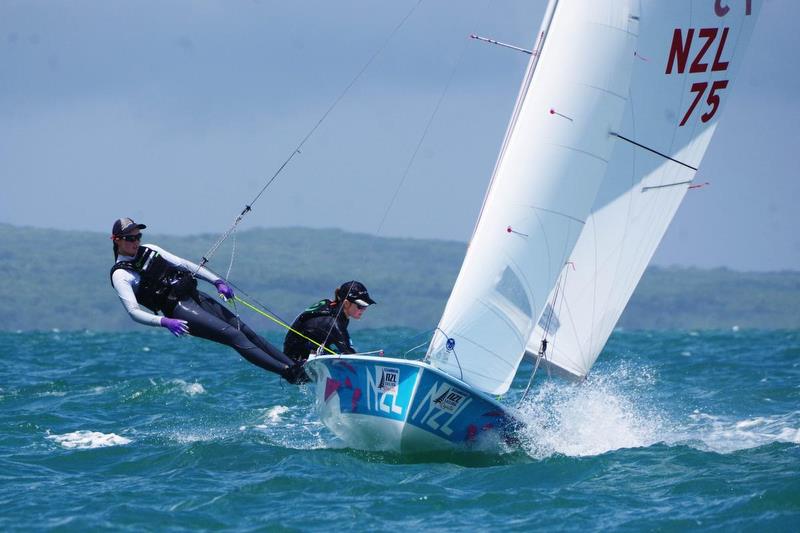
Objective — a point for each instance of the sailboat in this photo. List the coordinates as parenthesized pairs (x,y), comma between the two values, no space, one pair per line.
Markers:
(618,104)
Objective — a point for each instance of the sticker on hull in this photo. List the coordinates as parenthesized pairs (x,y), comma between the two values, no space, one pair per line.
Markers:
(371,389)
(442,408)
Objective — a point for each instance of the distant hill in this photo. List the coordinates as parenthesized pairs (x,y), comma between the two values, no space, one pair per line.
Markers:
(60,279)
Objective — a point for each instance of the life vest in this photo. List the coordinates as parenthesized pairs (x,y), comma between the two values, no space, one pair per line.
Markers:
(161,285)
(297,347)
(321,308)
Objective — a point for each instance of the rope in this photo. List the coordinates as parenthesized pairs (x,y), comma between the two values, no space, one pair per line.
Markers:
(450,346)
(422,138)
(280,323)
(338,312)
(560,287)
(427,341)
(411,163)
(530,382)
(233,254)
(248,207)
(560,306)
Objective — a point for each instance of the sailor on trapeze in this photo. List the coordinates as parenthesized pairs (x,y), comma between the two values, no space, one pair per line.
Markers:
(146,275)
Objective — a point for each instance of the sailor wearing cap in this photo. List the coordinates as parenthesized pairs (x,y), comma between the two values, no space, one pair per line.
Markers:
(326,322)
(149,280)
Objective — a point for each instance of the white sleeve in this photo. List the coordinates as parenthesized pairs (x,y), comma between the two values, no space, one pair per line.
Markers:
(122,280)
(202,273)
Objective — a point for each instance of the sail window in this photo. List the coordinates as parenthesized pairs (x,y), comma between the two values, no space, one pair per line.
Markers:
(511,288)
(549,320)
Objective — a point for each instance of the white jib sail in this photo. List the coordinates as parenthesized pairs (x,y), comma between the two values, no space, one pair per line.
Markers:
(687,56)
(553,160)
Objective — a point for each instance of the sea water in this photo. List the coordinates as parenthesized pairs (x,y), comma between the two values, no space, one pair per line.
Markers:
(673,431)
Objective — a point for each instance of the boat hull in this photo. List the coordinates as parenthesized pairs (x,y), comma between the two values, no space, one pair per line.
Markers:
(388,404)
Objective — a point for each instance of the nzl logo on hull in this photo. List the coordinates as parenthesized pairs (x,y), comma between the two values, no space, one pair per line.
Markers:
(384,386)
(389,379)
(444,403)
(450,399)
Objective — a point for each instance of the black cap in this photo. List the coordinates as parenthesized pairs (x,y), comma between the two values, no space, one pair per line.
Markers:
(354,291)
(125,225)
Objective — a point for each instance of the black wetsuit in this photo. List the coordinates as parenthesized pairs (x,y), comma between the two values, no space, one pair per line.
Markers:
(211,320)
(163,286)
(325,322)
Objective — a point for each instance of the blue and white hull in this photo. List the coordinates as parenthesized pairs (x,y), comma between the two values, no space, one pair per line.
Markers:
(382,403)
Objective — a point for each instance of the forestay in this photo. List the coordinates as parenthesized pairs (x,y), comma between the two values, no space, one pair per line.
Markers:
(553,160)
(687,55)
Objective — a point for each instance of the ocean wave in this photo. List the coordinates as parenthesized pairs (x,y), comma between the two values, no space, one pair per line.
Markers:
(87,440)
(164,387)
(191,389)
(726,434)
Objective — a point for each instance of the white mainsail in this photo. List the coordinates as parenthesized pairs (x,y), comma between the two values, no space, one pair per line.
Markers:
(553,160)
(687,56)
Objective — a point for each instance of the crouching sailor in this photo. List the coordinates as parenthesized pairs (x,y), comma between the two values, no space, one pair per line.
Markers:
(150,277)
(325,322)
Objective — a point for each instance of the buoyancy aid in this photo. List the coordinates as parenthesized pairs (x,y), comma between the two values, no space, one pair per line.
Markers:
(162,285)
(295,346)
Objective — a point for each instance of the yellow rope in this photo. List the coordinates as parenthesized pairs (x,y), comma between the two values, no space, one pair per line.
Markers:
(282,323)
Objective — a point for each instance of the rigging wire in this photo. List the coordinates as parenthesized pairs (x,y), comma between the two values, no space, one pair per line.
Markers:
(422,138)
(558,313)
(248,207)
(561,286)
(413,158)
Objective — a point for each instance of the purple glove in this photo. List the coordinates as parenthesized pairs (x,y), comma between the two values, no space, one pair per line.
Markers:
(176,326)
(223,289)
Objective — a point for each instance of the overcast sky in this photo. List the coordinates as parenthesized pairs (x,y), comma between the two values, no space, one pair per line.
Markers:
(177,112)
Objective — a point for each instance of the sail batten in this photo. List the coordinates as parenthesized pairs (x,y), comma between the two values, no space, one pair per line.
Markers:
(615,112)
(677,98)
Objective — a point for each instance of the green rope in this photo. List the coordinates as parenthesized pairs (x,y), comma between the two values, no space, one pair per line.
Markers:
(282,323)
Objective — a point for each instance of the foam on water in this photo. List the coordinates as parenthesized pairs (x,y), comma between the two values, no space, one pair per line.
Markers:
(298,429)
(167,387)
(274,413)
(590,418)
(723,434)
(208,434)
(87,440)
(616,410)
(191,389)
(54,393)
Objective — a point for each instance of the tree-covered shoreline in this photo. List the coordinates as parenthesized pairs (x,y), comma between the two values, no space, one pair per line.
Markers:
(60,279)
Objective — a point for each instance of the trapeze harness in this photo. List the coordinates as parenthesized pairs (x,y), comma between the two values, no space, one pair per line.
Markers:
(322,322)
(161,284)
(173,291)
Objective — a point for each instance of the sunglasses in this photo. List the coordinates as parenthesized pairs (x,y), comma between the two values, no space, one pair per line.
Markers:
(130,238)
(361,307)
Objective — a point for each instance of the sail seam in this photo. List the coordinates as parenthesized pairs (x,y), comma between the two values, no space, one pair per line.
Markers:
(606,91)
(578,150)
(559,213)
